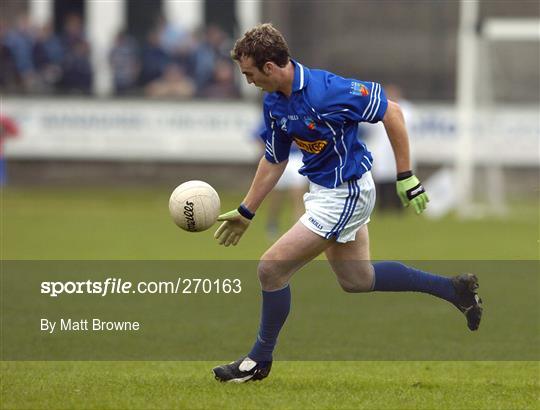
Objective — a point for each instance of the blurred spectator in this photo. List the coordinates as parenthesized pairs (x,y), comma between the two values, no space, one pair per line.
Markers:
(154,59)
(214,45)
(9,76)
(73,32)
(222,84)
(173,38)
(77,69)
(77,77)
(8,129)
(48,56)
(47,62)
(173,84)
(125,63)
(178,43)
(20,42)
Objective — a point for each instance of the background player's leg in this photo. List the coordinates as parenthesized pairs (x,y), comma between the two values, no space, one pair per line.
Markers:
(292,251)
(296,195)
(275,206)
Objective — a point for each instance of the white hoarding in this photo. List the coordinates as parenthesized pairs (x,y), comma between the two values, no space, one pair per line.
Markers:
(128,129)
(222,131)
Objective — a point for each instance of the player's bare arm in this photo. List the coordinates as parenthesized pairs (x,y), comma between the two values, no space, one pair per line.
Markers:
(265,179)
(408,186)
(394,123)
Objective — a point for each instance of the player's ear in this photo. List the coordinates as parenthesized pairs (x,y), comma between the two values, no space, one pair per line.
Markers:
(268,68)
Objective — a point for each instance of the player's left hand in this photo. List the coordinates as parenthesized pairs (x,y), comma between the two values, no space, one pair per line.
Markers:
(411,191)
(232,229)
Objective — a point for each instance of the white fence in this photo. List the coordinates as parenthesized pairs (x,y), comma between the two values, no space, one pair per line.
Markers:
(221,131)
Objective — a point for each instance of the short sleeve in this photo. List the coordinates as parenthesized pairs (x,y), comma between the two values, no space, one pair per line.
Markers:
(277,143)
(354,100)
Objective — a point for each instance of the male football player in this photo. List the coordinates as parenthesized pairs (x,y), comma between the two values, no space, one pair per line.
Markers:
(320,111)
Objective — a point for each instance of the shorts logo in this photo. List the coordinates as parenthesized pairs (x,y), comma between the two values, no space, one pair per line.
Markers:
(315,222)
(359,89)
(313,147)
(309,123)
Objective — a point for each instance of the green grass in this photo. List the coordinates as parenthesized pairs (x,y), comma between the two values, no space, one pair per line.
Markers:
(134,224)
(293,385)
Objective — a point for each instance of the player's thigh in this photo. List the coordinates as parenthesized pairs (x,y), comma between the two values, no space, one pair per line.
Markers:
(351,262)
(289,253)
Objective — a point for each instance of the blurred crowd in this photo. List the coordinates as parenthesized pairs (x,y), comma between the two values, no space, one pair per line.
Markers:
(170,63)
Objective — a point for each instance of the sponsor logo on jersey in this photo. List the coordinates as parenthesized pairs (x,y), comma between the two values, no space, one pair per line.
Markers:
(359,89)
(313,147)
(309,123)
(292,117)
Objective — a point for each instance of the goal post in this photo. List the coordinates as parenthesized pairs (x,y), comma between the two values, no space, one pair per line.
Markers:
(474,74)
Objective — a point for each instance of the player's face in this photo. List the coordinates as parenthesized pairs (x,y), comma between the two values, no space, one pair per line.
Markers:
(255,76)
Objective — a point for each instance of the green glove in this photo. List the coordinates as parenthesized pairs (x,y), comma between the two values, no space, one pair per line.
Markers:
(411,191)
(232,229)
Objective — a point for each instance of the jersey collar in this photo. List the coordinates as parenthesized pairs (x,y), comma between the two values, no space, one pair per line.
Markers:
(301,76)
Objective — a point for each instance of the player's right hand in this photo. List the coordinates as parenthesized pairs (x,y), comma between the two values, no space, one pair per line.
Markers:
(232,229)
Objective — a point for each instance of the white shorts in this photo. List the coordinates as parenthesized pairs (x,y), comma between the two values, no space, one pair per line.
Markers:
(291,178)
(339,212)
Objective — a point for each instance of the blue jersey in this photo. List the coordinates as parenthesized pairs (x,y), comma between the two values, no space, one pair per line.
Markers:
(321,116)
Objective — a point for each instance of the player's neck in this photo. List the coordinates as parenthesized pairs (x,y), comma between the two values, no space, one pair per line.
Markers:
(287,79)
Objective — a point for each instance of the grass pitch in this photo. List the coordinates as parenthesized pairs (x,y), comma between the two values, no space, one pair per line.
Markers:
(292,385)
(134,224)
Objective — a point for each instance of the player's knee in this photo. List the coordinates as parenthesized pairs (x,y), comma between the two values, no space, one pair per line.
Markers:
(264,270)
(361,280)
(354,287)
(269,273)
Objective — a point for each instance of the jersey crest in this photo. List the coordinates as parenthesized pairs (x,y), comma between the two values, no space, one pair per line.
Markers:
(359,89)
(309,123)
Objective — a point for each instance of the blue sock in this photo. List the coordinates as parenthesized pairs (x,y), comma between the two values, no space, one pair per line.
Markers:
(275,309)
(397,277)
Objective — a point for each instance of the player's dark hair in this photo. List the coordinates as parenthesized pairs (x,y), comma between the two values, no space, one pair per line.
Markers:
(263,43)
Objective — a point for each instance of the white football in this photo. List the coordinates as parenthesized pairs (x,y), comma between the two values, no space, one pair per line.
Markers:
(194,206)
